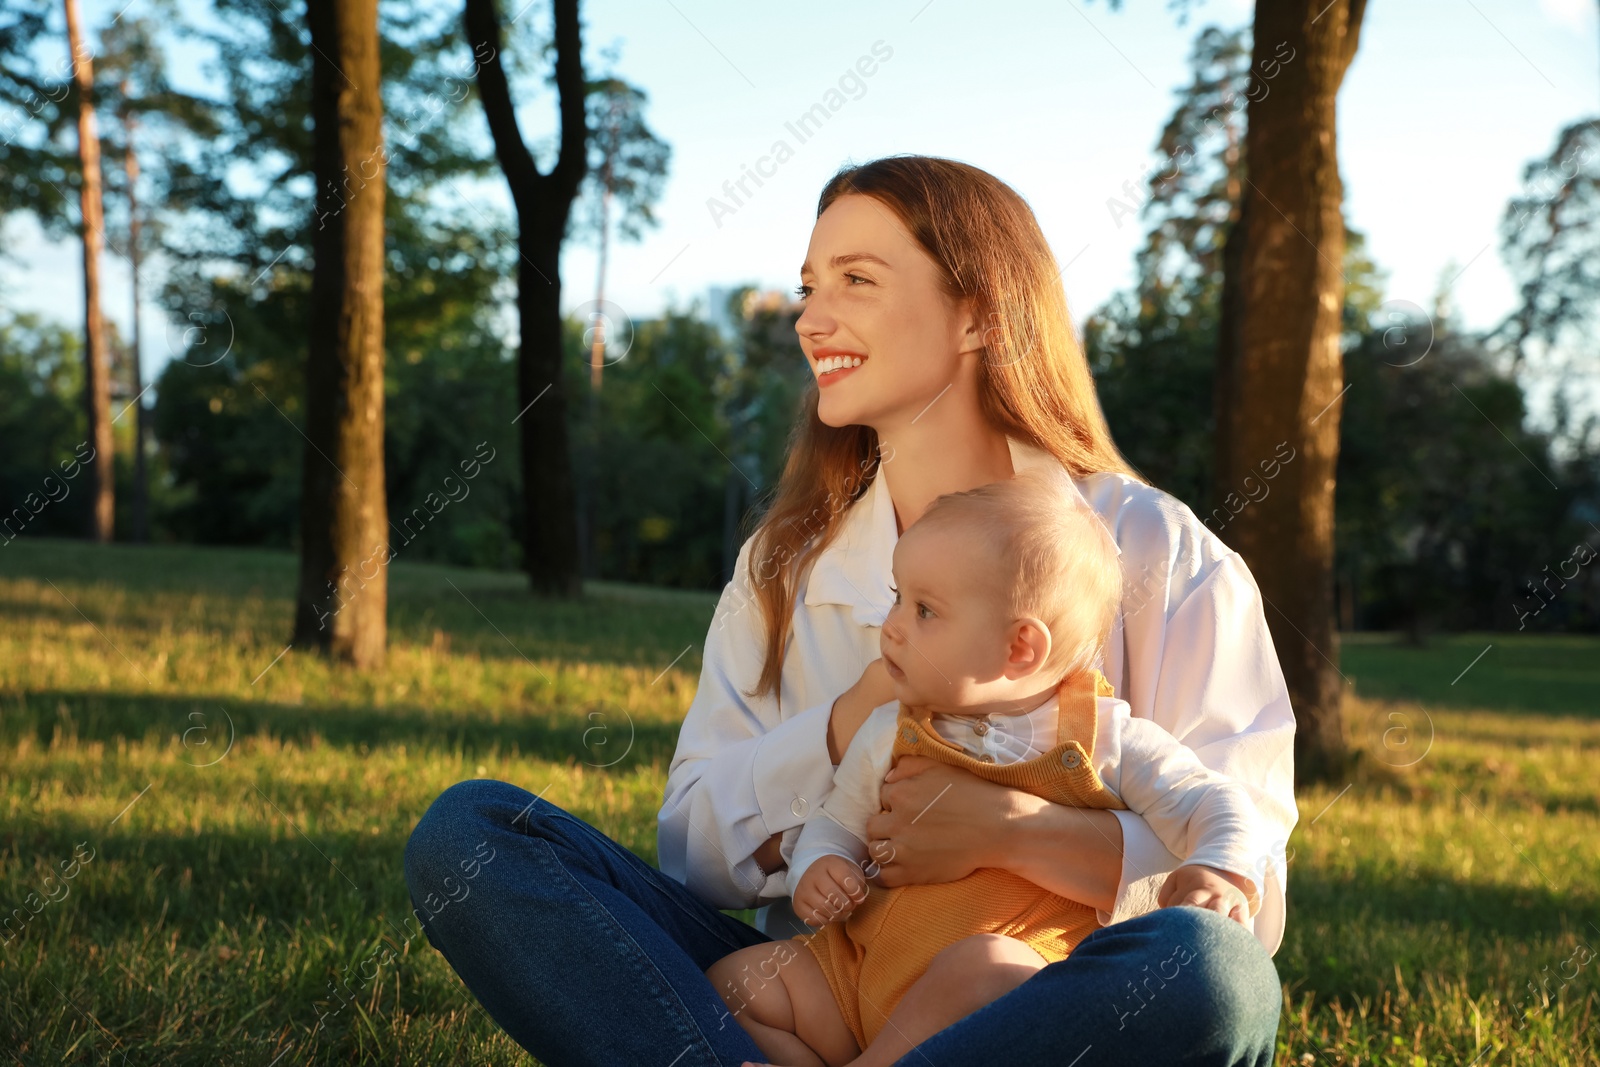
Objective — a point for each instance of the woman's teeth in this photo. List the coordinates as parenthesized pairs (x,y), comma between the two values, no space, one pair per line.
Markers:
(833,363)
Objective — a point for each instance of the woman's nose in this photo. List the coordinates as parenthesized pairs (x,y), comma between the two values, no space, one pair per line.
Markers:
(815,322)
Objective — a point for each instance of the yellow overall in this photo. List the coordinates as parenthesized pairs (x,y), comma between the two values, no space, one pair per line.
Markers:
(873,957)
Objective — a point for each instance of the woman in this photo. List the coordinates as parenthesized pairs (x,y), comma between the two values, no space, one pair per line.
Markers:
(938,330)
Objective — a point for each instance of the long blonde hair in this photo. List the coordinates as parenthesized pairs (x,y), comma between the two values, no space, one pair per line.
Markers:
(1034,383)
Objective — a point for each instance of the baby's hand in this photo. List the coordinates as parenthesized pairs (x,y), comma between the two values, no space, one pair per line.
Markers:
(829,890)
(1221,891)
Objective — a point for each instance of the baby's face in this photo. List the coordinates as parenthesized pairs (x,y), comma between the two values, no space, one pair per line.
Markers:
(944,640)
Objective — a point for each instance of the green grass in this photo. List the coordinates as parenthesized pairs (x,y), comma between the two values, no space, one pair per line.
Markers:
(222,900)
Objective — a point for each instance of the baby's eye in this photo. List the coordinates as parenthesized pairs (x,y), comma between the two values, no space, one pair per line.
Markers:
(921,607)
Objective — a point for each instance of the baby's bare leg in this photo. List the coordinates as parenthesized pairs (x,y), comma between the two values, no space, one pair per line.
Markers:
(778,993)
(974,971)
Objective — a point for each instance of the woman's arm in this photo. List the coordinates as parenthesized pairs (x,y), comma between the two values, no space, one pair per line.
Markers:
(742,774)
(942,823)
(1205,670)
(1072,852)
(850,711)
(745,777)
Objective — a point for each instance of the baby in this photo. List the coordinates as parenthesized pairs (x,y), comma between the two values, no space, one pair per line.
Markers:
(1004,597)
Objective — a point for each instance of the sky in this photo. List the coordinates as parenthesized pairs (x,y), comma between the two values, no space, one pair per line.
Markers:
(1445,104)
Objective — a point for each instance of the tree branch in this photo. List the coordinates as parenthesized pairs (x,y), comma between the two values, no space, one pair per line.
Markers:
(483,34)
(573,92)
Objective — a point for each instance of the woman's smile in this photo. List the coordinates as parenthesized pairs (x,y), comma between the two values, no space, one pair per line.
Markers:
(834,364)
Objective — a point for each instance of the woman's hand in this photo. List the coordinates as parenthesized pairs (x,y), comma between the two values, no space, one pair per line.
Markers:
(873,689)
(940,823)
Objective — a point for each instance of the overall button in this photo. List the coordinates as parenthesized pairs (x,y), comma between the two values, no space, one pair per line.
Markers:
(980,727)
(1071,759)
(908,735)
(986,758)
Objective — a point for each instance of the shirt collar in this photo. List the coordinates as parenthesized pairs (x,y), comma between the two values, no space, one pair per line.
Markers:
(855,570)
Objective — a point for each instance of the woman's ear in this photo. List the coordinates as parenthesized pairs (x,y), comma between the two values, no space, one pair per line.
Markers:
(971,325)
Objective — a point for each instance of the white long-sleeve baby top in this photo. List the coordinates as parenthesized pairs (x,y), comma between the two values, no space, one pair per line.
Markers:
(1200,815)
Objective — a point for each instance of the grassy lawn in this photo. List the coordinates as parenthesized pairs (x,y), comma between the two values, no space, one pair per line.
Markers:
(235,819)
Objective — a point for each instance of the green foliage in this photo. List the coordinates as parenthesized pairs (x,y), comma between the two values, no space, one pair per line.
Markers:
(41,423)
(1551,240)
(38,105)
(688,430)
(229,409)
(627,162)
(227,427)
(1448,506)
(1154,374)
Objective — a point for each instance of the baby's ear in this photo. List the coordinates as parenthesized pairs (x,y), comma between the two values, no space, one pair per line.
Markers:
(1028,648)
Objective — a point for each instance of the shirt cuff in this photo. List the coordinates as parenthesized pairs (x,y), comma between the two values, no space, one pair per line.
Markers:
(1145,865)
(792,770)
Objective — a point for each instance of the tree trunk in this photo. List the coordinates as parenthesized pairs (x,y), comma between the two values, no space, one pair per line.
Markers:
(543,202)
(97,364)
(141,477)
(344,550)
(1280,373)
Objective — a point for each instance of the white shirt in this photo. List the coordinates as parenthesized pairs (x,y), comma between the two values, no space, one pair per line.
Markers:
(1198,814)
(1190,651)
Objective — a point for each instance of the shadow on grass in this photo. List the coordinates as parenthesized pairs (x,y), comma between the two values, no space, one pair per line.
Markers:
(1346,935)
(279,868)
(1546,674)
(1350,933)
(487,613)
(594,737)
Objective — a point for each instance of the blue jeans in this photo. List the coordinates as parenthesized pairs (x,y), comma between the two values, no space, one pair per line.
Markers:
(585,954)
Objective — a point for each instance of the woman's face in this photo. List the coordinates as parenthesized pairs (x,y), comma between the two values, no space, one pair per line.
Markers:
(872,295)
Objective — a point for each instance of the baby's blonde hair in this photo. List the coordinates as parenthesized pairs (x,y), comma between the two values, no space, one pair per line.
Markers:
(1061,563)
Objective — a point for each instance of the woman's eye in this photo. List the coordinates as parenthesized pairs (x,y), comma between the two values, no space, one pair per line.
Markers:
(803,291)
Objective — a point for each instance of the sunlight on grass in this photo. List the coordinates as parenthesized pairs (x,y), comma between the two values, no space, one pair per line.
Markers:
(235,820)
